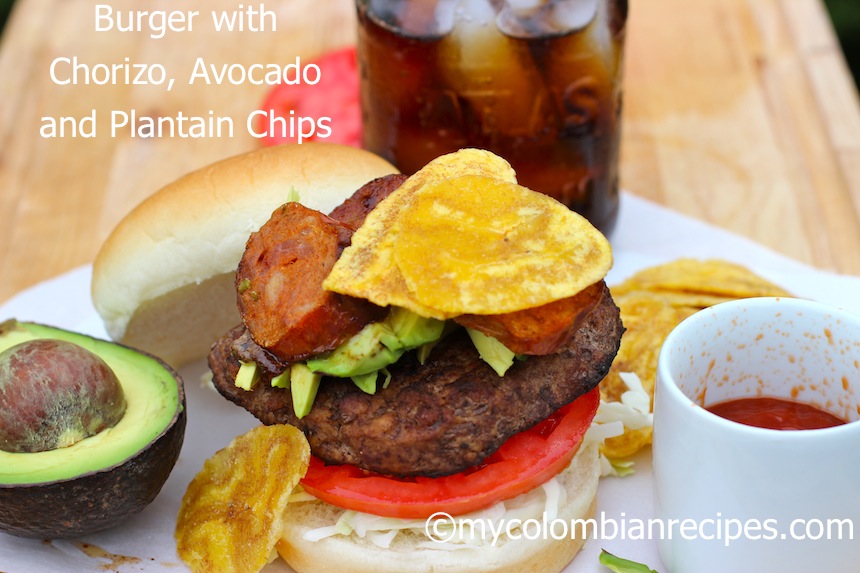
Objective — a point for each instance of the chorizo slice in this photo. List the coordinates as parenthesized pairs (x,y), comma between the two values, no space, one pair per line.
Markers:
(354,210)
(279,285)
(541,330)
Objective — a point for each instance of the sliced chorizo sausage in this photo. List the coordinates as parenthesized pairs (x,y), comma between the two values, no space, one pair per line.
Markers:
(279,285)
(354,210)
(541,330)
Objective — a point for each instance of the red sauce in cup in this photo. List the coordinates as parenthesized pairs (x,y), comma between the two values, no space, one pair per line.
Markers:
(775,414)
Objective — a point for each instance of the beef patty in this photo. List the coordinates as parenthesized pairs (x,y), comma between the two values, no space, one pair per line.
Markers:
(437,418)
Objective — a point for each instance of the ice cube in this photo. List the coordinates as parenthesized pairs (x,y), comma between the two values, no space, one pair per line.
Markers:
(572,15)
(446,11)
(476,12)
(418,18)
(476,38)
(524,5)
(541,18)
(493,76)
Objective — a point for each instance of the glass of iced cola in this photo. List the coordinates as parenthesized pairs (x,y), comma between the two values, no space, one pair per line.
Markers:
(535,81)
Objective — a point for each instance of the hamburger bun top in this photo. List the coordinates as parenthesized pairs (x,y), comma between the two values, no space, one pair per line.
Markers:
(163,279)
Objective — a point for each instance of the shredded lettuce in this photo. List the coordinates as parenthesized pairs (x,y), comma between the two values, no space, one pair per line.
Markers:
(632,412)
(615,467)
(299,494)
(293,195)
(459,533)
(634,409)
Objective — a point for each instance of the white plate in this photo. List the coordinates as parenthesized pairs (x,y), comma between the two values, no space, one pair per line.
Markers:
(646,234)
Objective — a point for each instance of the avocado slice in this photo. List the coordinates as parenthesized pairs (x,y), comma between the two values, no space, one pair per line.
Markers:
(374,347)
(101,480)
(493,352)
(413,330)
(248,376)
(378,345)
(303,386)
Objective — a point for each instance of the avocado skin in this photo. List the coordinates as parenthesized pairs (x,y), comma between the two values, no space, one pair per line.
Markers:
(92,502)
(97,500)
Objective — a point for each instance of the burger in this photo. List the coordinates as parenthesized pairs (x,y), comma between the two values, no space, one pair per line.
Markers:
(439,340)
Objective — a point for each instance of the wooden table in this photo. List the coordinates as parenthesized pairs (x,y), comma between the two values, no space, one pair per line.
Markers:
(738,112)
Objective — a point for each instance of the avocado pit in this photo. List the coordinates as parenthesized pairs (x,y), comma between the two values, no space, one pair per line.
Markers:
(53,394)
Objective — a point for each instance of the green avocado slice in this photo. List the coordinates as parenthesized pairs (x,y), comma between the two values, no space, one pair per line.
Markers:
(493,352)
(378,345)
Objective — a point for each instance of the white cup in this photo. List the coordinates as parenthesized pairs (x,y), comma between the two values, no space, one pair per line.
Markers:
(732,498)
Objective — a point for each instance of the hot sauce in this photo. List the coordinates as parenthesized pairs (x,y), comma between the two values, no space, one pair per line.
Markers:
(775,414)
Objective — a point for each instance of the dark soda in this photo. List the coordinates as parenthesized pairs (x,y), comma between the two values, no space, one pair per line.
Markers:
(536,82)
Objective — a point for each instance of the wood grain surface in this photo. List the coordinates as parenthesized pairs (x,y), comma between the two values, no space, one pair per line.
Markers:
(738,112)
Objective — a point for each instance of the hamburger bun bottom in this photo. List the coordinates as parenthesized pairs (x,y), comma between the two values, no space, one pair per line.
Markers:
(351,553)
(206,310)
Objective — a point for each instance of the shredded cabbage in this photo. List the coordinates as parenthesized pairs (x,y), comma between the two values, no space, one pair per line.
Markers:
(483,527)
(633,412)
(299,494)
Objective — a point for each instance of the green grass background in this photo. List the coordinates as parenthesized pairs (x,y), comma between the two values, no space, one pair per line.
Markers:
(844,13)
(846,19)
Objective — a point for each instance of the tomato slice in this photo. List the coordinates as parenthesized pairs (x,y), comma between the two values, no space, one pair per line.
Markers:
(525,461)
(334,96)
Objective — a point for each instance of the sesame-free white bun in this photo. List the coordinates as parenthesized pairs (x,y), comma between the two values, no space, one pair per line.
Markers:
(545,554)
(163,280)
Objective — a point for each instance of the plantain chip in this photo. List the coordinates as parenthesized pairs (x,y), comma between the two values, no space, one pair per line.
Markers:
(722,279)
(496,247)
(654,301)
(648,318)
(231,515)
(366,268)
(461,237)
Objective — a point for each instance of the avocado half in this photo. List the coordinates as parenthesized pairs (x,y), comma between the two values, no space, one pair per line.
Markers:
(101,480)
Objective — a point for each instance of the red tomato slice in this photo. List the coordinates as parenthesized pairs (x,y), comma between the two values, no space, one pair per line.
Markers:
(334,96)
(525,461)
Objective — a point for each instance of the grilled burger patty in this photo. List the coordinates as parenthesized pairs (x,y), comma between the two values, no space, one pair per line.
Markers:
(437,418)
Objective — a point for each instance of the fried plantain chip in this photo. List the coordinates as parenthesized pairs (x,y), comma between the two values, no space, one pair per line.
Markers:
(496,247)
(704,277)
(231,515)
(461,237)
(366,268)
